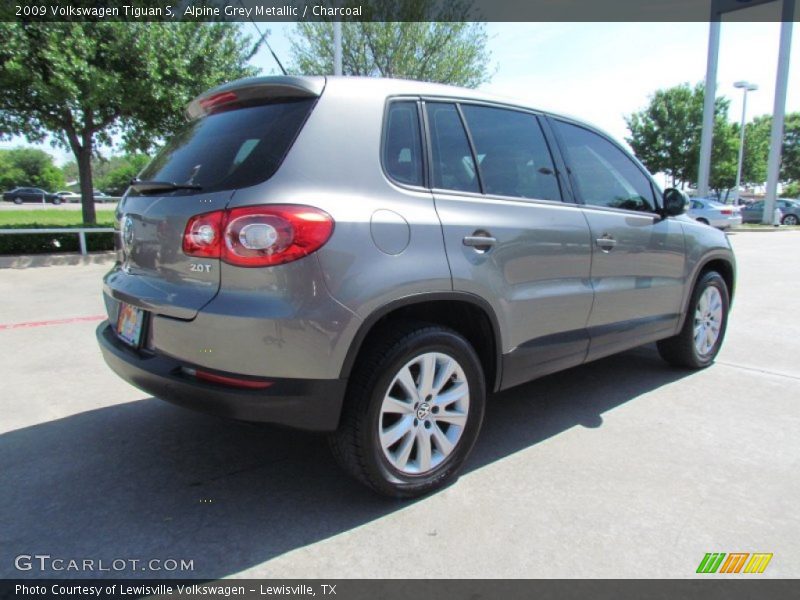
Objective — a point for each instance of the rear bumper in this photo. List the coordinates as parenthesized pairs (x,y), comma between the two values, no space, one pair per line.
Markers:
(312,404)
(726,222)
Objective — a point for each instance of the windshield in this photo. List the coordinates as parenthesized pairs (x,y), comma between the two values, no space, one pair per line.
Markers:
(230,149)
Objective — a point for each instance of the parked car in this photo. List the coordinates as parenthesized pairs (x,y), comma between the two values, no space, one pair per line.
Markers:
(102,197)
(753,212)
(716,214)
(30,194)
(381,293)
(67,196)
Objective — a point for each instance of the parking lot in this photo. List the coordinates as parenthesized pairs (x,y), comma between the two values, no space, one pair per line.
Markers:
(622,468)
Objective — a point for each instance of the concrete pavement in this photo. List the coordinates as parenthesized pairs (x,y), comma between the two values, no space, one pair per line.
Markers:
(621,468)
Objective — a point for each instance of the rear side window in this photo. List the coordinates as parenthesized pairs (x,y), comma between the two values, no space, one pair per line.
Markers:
(453,166)
(231,149)
(604,174)
(513,156)
(402,148)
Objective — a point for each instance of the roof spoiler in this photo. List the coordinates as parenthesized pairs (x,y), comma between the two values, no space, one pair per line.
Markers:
(253,88)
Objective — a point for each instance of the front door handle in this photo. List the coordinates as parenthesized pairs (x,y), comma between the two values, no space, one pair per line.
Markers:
(606,243)
(481,241)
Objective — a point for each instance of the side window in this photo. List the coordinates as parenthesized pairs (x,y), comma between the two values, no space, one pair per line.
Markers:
(453,167)
(696,205)
(604,174)
(402,148)
(513,156)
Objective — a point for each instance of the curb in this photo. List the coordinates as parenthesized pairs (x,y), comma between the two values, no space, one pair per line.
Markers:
(767,229)
(24,261)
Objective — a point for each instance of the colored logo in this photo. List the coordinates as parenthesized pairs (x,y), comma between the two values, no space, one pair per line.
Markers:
(736,562)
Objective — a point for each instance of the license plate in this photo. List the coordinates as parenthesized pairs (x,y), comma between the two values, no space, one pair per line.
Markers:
(130,324)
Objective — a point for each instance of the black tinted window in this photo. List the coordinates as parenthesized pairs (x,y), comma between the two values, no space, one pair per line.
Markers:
(402,149)
(230,149)
(513,156)
(453,167)
(604,174)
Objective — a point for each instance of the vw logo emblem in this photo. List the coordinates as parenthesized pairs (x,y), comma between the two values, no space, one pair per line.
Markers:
(423,411)
(127,234)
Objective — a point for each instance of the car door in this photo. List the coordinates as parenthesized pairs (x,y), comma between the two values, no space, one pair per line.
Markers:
(509,237)
(753,212)
(638,257)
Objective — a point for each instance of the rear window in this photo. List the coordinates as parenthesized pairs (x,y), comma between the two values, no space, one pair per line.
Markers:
(230,149)
(402,148)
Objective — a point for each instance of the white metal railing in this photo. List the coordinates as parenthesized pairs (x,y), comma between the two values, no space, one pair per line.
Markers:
(81,231)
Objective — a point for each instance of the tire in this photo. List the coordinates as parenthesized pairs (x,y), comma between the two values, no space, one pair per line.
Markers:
(682,350)
(56,201)
(790,220)
(17,200)
(403,468)
(703,221)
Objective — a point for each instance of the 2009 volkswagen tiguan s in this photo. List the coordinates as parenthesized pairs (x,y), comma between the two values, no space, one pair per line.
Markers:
(372,257)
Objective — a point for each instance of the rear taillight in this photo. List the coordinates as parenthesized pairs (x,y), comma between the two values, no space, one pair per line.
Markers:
(258,236)
(203,235)
(726,211)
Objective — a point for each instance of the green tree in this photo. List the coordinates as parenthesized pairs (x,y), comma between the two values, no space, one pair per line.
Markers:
(756,149)
(29,167)
(724,157)
(415,39)
(791,190)
(790,163)
(117,172)
(82,83)
(665,136)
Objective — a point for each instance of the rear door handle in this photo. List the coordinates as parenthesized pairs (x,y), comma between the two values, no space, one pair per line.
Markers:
(606,243)
(481,243)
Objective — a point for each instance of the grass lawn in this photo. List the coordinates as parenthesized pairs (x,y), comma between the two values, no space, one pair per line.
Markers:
(52,218)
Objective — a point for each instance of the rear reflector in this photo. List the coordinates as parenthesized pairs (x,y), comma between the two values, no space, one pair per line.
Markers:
(238,382)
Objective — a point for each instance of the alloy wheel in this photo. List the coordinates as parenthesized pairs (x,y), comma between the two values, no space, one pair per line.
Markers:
(423,413)
(707,320)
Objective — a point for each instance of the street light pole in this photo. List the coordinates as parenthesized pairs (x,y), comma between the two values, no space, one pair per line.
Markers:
(745,87)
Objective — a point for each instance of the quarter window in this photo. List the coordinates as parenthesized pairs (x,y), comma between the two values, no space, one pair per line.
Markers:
(513,156)
(453,166)
(604,174)
(402,149)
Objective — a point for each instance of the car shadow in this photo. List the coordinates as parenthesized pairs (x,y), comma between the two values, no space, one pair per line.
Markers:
(146,480)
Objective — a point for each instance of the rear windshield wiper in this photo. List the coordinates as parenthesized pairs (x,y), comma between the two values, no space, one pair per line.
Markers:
(146,185)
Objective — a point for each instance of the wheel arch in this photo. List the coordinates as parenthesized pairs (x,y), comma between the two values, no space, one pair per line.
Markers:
(469,315)
(722,264)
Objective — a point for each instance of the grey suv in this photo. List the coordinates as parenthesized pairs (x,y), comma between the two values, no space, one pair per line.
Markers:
(372,257)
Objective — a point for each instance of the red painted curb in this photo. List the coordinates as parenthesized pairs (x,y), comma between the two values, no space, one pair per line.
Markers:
(51,322)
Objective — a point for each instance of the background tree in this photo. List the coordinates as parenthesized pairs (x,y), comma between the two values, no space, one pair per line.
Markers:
(665,136)
(415,39)
(82,83)
(792,190)
(790,163)
(111,174)
(756,149)
(29,167)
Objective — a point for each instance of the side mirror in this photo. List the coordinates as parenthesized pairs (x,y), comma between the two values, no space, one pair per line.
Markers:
(675,202)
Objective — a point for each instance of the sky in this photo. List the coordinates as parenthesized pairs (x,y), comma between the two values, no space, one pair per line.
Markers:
(601,72)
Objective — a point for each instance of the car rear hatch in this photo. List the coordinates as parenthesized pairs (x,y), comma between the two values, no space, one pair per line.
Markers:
(237,137)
